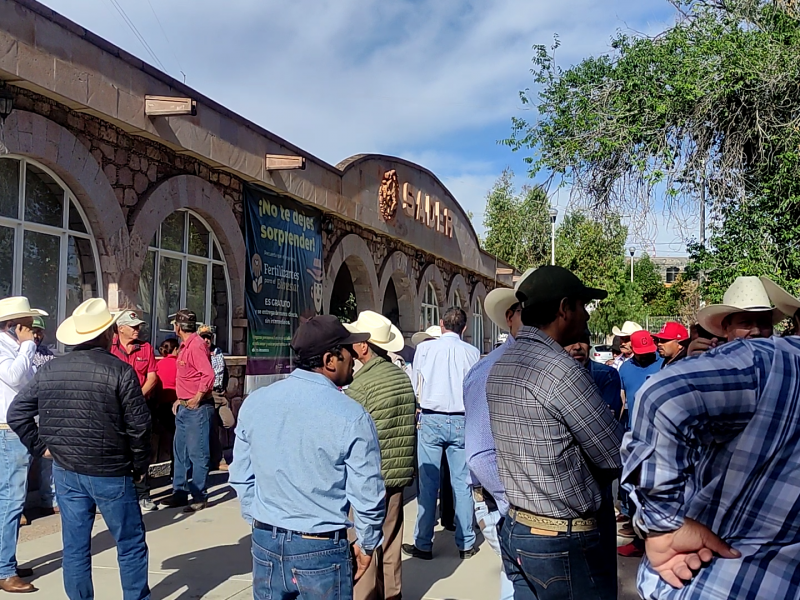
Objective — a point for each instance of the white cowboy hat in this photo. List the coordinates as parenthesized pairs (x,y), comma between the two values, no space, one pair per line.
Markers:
(88,321)
(434,332)
(782,299)
(18,307)
(382,332)
(628,327)
(746,294)
(499,300)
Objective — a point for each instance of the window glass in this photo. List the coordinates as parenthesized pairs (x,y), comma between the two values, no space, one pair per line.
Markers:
(6,261)
(81,275)
(9,187)
(44,198)
(169,295)
(75,220)
(41,253)
(199,237)
(196,289)
(172,231)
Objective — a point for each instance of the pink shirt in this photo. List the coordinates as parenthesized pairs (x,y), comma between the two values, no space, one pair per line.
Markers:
(194,372)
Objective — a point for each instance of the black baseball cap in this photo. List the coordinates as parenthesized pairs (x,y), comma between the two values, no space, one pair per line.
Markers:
(551,283)
(184,315)
(321,333)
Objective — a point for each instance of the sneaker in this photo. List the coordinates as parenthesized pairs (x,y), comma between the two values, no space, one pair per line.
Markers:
(414,552)
(626,531)
(465,554)
(175,501)
(148,505)
(632,550)
(195,506)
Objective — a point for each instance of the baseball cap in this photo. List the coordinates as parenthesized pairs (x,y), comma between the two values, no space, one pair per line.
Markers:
(38,323)
(184,315)
(672,331)
(129,318)
(552,283)
(642,342)
(321,333)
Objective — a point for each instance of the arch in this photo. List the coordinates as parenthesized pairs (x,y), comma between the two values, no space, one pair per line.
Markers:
(32,135)
(353,251)
(459,283)
(397,270)
(478,293)
(431,274)
(189,191)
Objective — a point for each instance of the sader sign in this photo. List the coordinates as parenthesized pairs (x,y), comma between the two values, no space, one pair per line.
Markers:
(284,279)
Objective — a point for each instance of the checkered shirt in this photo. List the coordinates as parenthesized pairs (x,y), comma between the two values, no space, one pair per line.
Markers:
(218,364)
(551,428)
(716,438)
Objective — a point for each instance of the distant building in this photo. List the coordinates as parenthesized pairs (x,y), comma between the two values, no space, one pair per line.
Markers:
(670,267)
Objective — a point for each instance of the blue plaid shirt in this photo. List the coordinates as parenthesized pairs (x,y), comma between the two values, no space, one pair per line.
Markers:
(716,438)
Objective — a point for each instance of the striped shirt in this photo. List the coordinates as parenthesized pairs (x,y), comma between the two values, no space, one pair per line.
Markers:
(716,439)
(552,429)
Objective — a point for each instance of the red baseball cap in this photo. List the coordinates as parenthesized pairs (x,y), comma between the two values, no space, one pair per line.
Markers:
(642,342)
(672,331)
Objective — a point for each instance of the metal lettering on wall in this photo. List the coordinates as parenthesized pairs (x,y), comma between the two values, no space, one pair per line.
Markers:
(417,205)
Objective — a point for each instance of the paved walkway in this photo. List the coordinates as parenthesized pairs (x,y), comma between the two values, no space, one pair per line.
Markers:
(207,555)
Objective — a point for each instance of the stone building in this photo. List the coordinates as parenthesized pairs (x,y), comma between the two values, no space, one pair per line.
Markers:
(98,198)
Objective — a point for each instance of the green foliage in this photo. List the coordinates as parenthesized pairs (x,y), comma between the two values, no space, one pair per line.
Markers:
(517,225)
(648,280)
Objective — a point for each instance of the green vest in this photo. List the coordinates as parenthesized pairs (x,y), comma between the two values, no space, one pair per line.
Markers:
(385,391)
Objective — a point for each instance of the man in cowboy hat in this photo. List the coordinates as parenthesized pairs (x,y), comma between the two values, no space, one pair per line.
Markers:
(441,366)
(624,336)
(224,414)
(672,342)
(746,312)
(305,454)
(502,307)
(17,351)
(94,421)
(127,347)
(385,391)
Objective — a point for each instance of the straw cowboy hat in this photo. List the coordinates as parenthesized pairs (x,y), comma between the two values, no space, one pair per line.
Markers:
(87,322)
(746,294)
(628,328)
(782,299)
(18,307)
(434,332)
(380,329)
(499,300)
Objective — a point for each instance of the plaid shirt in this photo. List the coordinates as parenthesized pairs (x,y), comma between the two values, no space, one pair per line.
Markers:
(218,364)
(551,427)
(716,439)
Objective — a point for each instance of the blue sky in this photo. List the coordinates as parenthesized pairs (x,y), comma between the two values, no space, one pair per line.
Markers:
(433,81)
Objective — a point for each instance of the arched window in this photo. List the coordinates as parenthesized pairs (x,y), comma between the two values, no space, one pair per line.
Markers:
(672,274)
(457,299)
(429,314)
(477,325)
(185,268)
(47,251)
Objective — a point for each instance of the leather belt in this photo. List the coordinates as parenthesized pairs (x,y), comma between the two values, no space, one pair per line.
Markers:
(426,411)
(341,534)
(550,524)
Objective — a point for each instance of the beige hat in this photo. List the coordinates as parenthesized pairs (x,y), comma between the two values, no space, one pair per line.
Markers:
(782,299)
(88,321)
(434,332)
(18,307)
(499,300)
(382,332)
(746,294)
(628,328)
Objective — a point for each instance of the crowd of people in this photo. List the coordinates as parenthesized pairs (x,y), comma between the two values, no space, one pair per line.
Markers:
(697,429)
(86,419)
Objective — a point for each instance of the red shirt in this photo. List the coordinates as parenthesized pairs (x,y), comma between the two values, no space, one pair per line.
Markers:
(194,372)
(141,358)
(167,370)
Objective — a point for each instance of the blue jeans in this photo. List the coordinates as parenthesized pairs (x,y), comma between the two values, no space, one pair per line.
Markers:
(79,497)
(488,523)
(192,450)
(47,485)
(564,565)
(437,434)
(15,462)
(287,566)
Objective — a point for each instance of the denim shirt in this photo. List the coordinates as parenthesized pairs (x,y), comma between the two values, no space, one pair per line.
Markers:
(304,454)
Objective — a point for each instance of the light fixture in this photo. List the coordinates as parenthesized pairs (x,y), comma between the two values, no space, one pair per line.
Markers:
(169,106)
(327,225)
(6,103)
(632,250)
(553,214)
(284,162)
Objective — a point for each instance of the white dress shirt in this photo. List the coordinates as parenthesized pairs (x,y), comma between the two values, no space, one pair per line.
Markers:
(439,370)
(16,369)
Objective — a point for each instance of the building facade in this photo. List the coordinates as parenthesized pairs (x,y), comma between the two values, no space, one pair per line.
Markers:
(99,199)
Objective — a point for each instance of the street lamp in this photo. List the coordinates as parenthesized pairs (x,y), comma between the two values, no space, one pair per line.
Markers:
(632,250)
(553,215)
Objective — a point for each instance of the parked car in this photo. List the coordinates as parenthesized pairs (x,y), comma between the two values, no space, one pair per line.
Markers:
(601,354)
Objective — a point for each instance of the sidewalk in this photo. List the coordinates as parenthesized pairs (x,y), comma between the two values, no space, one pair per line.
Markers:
(207,555)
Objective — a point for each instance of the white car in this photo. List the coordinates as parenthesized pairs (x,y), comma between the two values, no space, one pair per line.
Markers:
(601,354)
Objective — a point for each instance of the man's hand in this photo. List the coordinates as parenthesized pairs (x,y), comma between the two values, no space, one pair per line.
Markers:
(700,345)
(194,402)
(24,334)
(47,455)
(675,556)
(175,406)
(138,478)
(362,562)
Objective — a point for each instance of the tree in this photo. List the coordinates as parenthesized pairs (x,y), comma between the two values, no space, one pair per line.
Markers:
(517,225)
(648,280)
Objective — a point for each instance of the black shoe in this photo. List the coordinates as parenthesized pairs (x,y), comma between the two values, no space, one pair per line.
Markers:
(195,506)
(23,572)
(175,501)
(413,551)
(465,554)
(449,526)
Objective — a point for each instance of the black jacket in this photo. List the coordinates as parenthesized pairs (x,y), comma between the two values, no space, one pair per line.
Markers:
(92,415)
